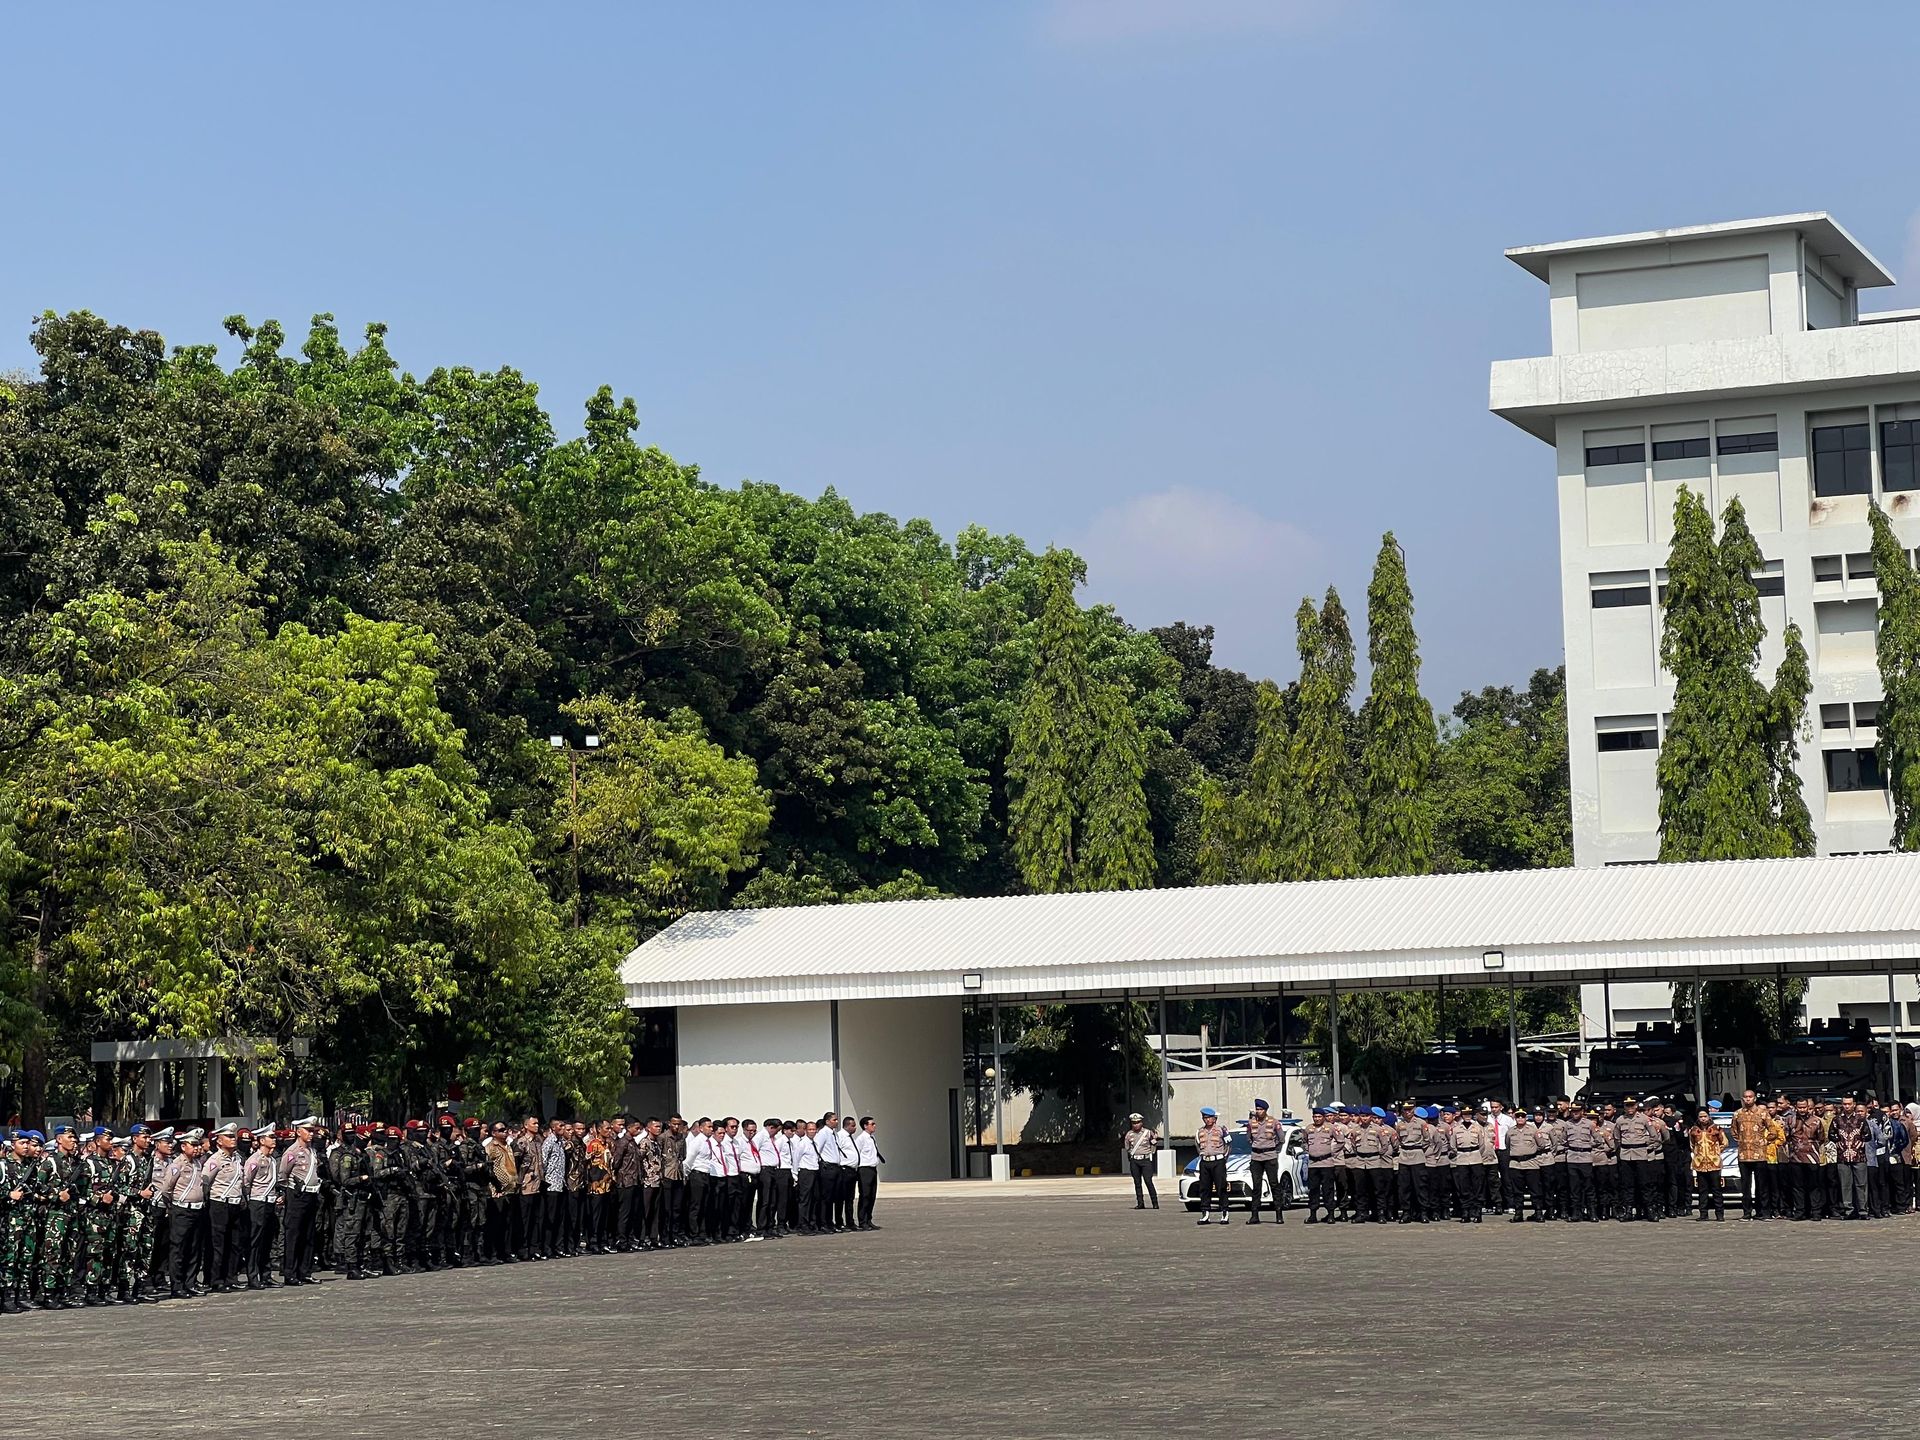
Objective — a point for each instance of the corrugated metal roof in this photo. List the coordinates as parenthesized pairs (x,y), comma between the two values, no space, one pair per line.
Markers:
(1823,913)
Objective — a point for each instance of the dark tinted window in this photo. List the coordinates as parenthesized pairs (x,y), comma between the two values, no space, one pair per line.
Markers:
(1628,740)
(1680,449)
(1770,583)
(1850,770)
(1616,597)
(1899,440)
(1842,461)
(1615,455)
(1756,443)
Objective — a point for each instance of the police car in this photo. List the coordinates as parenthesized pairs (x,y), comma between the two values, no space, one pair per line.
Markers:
(1293,1168)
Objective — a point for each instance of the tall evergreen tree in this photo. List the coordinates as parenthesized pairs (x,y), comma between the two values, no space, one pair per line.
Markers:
(1052,736)
(1077,762)
(1716,767)
(1323,833)
(1116,847)
(1400,739)
(1898,646)
(1792,684)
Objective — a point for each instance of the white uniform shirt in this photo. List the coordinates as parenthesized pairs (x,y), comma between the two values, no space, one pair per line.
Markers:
(726,1154)
(748,1153)
(700,1154)
(827,1143)
(806,1154)
(868,1152)
(767,1147)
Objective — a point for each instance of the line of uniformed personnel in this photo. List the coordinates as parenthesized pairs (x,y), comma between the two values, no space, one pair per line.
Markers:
(1798,1159)
(153,1215)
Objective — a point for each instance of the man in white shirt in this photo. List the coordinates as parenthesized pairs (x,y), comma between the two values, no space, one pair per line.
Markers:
(1501,1124)
(868,1160)
(770,1204)
(700,1170)
(750,1171)
(826,1140)
(726,1149)
(806,1178)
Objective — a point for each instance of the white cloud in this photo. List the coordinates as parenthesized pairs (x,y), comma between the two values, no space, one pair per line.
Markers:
(1082,22)
(1204,557)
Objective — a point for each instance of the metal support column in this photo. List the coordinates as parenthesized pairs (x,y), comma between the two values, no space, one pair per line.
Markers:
(1166,1100)
(1513,1046)
(1700,1041)
(1283,1048)
(1606,1011)
(1893,1039)
(1333,1028)
(999,1169)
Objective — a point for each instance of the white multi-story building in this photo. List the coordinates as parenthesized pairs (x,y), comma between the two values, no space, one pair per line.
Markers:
(1733,359)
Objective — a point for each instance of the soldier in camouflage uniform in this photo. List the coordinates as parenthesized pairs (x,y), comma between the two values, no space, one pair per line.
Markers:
(396,1189)
(472,1186)
(66,1192)
(133,1241)
(100,1217)
(21,1188)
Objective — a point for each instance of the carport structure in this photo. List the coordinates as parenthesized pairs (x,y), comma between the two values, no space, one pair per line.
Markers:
(857,1008)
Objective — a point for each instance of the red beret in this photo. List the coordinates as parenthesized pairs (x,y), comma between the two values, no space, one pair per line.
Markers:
(473,1122)
(416,1124)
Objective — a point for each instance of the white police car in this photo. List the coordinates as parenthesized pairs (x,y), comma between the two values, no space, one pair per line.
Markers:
(1293,1168)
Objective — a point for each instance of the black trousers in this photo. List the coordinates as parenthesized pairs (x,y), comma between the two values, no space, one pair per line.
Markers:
(497,1243)
(674,1198)
(766,1199)
(1808,1191)
(848,1178)
(805,1183)
(1263,1172)
(1521,1186)
(739,1204)
(183,1246)
(528,1238)
(265,1216)
(1752,1188)
(699,1204)
(1469,1184)
(1213,1181)
(223,1228)
(1320,1191)
(1580,1199)
(1411,1181)
(349,1233)
(868,1179)
(1709,1190)
(626,1214)
(296,1249)
(558,1218)
(653,1215)
(1143,1191)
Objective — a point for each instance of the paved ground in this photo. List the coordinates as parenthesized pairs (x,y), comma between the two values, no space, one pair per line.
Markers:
(1038,1313)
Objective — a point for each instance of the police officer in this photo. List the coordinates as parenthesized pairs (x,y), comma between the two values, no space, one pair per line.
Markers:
(1264,1136)
(226,1203)
(1323,1161)
(1524,1143)
(1638,1151)
(1210,1140)
(1367,1161)
(1472,1150)
(1413,1133)
(1439,1167)
(1139,1145)
(1583,1151)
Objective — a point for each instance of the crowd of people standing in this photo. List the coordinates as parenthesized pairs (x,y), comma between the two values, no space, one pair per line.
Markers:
(1798,1159)
(105,1219)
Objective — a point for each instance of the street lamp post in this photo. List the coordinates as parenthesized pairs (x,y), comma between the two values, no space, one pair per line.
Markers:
(590,746)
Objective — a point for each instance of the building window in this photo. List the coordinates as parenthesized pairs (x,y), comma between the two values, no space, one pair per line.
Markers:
(1645,739)
(1899,440)
(1860,565)
(1842,461)
(1833,717)
(1678,449)
(1771,578)
(1755,442)
(1616,597)
(1826,570)
(1866,714)
(1615,455)
(1852,770)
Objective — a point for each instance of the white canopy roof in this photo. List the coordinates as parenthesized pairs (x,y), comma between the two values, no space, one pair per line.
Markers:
(1851,914)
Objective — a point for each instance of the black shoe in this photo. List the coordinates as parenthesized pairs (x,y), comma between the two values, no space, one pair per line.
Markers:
(1251,1220)
(1139,1205)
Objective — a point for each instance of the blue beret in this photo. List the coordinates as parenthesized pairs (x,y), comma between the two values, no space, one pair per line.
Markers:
(1208,1110)
(60,1130)
(1260,1105)
(1379,1112)
(100,1130)
(136,1130)
(30,1135)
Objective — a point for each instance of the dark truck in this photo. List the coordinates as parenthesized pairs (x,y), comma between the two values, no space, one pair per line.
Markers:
(1658,1063)
(1475,1066)
(1835,1058)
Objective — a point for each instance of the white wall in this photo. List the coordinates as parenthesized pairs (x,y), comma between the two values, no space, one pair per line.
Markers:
(899,1059)
(756,1060)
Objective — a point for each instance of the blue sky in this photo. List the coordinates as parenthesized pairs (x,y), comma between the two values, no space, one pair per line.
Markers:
(1206,290)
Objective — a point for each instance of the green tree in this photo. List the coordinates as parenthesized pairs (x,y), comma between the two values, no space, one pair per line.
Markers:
(1397,751)
(1052,738)
(1898,648)
(1792,684)
(1323,832)
(1501,794)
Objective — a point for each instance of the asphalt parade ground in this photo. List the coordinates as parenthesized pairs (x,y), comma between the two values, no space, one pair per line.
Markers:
(1035,1314)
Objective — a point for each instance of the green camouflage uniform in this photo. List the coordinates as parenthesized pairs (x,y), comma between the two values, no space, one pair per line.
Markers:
(20,1241)
(61,1236)
(106,1199)
(133,1240)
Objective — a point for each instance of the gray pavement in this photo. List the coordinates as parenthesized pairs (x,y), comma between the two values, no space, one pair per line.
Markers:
(1039,1314)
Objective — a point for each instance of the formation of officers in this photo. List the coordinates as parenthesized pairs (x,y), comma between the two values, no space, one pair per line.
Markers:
(1798,1160)
(105,1219)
